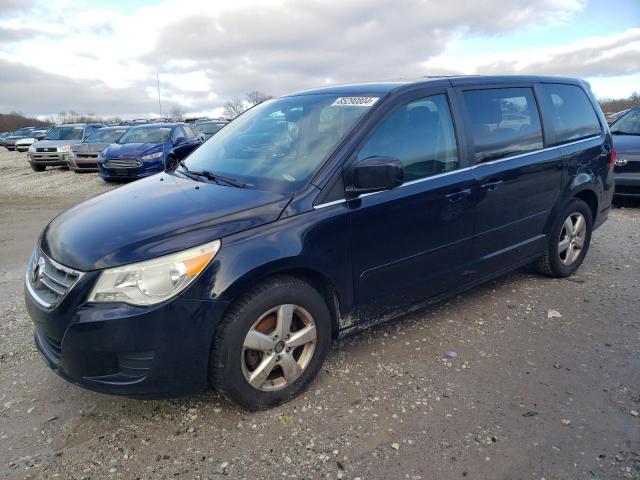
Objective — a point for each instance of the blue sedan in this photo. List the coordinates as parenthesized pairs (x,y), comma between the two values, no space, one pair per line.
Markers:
(148,149)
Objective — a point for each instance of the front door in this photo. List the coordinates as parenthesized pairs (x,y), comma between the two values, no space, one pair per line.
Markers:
(412,242)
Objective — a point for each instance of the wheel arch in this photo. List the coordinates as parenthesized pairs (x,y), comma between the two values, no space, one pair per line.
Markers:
(314,278)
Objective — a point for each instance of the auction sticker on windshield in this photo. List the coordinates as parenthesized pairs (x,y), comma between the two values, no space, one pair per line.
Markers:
(355,101)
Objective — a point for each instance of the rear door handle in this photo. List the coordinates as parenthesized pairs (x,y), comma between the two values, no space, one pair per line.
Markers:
(458,194)
(491,185)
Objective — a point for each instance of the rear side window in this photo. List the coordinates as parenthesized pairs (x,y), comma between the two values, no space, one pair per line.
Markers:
(420,134)
(572,114)
(504,122)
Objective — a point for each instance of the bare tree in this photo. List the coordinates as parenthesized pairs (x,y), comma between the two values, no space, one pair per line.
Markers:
(234,107)
(177,114)
(255,97)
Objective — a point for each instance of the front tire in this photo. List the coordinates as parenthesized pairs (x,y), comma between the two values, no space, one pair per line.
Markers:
(37,168)
(271,343)
(569,241)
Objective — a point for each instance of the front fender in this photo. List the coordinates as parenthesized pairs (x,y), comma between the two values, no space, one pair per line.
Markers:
(316,242)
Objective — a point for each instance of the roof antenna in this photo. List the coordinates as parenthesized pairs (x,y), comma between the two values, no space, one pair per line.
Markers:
(159,101)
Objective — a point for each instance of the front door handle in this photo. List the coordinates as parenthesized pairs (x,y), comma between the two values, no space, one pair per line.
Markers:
(491,185)
(458,194)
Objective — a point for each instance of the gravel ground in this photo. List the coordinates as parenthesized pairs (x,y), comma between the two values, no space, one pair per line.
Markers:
(545,384)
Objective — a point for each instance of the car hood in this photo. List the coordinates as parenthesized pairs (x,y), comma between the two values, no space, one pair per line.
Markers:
(152,217)
(90,147)
(128,150)
(626,143)
(56,143)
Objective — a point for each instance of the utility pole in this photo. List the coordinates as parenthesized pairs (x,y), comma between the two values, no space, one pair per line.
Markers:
(159,101)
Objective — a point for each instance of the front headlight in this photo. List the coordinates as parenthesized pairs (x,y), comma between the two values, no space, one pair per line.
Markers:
(151,156)
(64,148)
(153,281)
(32,148)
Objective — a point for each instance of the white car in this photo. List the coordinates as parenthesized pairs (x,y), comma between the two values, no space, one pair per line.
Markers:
(23,144)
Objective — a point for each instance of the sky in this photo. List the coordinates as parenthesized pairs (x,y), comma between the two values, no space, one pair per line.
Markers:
(102,56)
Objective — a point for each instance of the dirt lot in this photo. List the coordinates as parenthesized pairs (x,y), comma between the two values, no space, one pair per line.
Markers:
(546,383)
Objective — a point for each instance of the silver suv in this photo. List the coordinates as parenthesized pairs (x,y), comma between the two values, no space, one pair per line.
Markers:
(54,149)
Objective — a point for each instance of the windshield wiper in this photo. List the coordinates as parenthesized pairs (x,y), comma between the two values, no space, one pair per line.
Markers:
(622,132)
(213,176)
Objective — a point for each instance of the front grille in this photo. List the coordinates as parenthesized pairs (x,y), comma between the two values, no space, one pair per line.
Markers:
(43,157)
(46,149)
(48,281)
(87,155)
(123,163)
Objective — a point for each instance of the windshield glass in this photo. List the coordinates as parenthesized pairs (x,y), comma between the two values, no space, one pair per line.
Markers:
(105,135)
(64,133)
(23,131)
(279,143)
(629,123)
(146,135)
(210,127)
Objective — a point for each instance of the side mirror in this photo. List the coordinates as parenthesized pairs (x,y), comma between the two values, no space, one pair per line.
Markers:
(375,174)
(179,140)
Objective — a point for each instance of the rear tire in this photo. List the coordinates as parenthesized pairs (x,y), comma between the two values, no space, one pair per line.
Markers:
(279,367)
(569,241)
(38,168)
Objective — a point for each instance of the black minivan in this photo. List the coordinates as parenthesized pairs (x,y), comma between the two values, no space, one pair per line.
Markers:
(313,215)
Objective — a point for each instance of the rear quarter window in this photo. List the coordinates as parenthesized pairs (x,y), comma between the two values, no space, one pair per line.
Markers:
(572,114)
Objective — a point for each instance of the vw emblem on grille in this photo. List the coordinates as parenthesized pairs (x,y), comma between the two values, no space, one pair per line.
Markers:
(621,161)
(37,269)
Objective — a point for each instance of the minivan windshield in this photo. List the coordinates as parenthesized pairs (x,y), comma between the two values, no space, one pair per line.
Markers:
(279,143)
(64,133)
(146,135)
(105,135)
(628,124)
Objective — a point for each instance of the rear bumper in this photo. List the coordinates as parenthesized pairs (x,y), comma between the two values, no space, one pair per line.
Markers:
(627,184)
(118,349)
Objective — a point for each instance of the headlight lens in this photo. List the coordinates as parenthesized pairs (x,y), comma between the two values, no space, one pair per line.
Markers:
(153,281)
(151,156)
(64,148)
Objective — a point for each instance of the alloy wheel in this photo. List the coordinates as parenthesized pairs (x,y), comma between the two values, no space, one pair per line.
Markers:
(572,238)
(278,347)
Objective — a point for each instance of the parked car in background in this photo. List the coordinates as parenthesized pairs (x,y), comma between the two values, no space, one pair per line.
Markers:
(84,156)
(148,149)
(9,141)
(626,140)
(55,147)
(310,216)
(36,135)
(210,127)
(39,134)
(612,117)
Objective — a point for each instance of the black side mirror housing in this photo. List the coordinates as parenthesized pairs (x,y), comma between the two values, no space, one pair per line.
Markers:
(375,174)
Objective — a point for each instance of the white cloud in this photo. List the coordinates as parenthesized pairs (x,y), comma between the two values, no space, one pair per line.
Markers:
(208,51)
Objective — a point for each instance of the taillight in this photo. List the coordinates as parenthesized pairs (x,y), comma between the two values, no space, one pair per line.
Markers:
(612,162)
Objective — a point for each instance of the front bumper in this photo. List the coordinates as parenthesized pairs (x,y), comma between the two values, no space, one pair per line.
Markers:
(152,352)
(145,169)
(51,159)
(627,184)
(83,162)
